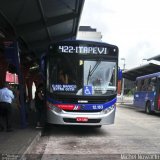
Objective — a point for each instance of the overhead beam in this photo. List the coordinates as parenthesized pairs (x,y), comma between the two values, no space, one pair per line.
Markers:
(157,58)
(42,45)
(7,26)
(44,19)
(38,25)
(39,43)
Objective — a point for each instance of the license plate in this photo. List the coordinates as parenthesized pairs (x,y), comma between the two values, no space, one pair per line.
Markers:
(82,119)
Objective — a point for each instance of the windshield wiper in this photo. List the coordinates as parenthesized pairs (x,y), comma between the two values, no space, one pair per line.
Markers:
(91,71)
(89,74)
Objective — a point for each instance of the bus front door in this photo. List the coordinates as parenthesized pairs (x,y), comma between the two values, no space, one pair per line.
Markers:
(157,95)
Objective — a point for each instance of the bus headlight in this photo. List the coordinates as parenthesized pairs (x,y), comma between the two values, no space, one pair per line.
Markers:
(109,109)
(56,109)
(50,106)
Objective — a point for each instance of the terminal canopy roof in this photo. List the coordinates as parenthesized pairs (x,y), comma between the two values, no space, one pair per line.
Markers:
(157,58)
(37,23)
(132,74)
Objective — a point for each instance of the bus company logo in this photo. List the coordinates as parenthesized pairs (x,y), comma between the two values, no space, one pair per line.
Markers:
(76,107)
(79,107)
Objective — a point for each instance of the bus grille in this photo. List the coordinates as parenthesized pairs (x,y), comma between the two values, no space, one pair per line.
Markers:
(72,120)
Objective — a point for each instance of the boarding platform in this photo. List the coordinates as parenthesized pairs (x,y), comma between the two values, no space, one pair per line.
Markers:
(17,142)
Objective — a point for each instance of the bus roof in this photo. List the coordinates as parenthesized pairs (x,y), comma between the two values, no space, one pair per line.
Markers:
(149,76)
(73,41)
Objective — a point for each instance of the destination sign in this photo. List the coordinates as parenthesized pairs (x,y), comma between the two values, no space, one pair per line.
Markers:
(64,88)
(82,49)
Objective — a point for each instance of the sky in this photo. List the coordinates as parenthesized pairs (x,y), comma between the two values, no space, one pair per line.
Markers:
(132,25)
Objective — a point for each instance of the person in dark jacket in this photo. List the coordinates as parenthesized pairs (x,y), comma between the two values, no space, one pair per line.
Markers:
(39,105)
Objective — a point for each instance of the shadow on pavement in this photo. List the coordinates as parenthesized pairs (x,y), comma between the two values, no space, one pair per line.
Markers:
(60,130)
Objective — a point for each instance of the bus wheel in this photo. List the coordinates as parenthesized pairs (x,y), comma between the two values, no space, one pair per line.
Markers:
(148,108)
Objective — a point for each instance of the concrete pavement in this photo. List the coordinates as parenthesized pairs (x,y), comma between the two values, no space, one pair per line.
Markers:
(17,143)
(134,133)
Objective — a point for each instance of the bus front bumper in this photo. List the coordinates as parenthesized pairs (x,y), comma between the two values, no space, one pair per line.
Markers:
(70,118)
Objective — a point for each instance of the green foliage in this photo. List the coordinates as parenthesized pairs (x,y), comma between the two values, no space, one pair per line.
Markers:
(130,92)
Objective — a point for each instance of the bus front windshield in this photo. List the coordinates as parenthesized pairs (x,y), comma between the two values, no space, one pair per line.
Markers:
(82,76)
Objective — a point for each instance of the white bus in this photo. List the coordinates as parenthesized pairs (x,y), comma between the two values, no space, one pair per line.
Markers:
(81,85)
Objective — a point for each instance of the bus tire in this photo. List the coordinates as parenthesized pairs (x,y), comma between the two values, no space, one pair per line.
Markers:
(148,108)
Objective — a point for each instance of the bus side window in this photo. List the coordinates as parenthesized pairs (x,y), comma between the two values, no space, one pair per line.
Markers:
(136,84)
(142,87)
(149,85)
(145,85)
(153,83)
(139,85)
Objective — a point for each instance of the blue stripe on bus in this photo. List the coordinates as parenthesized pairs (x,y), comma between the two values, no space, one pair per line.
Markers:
(86,107)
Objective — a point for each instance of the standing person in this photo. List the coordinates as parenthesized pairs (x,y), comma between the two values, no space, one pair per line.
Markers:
(19,100)
(6,97)
(39,105)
